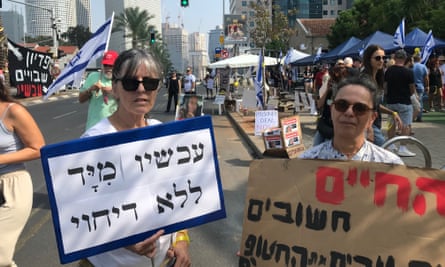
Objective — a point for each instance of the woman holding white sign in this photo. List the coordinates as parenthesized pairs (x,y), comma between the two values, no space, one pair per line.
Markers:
(353,111)
(20,141)
(135,84)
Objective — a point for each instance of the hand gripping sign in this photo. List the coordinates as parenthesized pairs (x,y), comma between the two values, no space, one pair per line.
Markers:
(114,190)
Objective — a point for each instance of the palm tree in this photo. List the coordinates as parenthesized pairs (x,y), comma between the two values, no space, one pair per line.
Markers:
(134,22)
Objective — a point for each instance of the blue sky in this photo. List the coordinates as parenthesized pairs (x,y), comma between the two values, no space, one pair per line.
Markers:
(200,16)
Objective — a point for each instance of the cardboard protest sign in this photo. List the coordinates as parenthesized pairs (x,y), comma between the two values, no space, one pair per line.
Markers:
(331,213)
(117,189)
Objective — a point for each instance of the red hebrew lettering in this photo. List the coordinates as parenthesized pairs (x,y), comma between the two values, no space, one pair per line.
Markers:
(352,176)
(419,204)
(364,178)
(337,195)
(403,191)
(437,188)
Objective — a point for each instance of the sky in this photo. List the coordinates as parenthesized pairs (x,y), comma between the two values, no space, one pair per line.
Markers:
(201,15)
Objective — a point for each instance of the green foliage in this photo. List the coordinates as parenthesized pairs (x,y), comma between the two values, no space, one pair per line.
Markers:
(77,36)
(368,16)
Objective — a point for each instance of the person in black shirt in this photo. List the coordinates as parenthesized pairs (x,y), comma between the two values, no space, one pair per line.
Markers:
(174,85)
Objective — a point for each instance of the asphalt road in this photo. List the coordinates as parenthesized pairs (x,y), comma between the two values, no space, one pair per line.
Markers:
(213,244)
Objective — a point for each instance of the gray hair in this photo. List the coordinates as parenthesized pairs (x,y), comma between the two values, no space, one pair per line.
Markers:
(127,64)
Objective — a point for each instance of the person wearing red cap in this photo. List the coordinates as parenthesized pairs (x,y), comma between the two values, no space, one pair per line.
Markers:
(97,91)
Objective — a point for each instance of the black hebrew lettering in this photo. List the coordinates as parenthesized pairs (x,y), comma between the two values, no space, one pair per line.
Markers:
(200,155)
(363,261)
(286,207)
(139,158)
(299,215)
(313,258)
(185,159)
(87,219)
(419,264)
(131,206)
(90,170)
(338,259)
(76,171)
(255,210)
(316,220)
(268,251)
(111,175)
(95,187)
(75,220)
(336,216)
(163,158)
(303,255)
(282,249)
(101,213)
(116,211)
(322,260)
(195,190)
(164,202)
(390,262)
(179,193)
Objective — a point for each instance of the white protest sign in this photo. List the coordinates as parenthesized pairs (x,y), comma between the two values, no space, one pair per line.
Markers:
(112,190)
(265,119)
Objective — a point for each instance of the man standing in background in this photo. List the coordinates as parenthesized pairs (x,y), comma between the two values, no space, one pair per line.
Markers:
(189,82)
(421,82)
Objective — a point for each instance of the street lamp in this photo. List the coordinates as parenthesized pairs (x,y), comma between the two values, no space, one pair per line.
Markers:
(53,24)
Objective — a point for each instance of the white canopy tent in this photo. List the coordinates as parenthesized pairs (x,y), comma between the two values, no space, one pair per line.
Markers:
(293,55)
(242,61)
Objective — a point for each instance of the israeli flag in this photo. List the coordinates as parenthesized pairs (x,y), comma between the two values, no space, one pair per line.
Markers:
(399,35)
(317,55)
(428,47)
(94,48)
(259,82)
(288,57)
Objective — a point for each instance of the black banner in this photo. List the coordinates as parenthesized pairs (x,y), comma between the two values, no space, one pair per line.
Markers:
(29,70)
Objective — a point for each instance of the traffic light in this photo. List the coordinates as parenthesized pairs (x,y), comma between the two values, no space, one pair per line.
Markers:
(184,3)
(152,38)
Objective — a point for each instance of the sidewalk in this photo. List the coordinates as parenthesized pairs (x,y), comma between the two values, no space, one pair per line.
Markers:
(432,135)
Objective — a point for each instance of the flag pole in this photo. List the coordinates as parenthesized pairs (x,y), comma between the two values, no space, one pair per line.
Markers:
(263,70)
(109,32)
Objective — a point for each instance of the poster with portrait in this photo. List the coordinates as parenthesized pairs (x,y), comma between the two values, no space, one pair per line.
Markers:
(189,106)
(235,27)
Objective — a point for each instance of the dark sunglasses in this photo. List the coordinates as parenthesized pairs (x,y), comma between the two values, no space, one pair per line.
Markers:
(359,109)
(378,58)
(132,84)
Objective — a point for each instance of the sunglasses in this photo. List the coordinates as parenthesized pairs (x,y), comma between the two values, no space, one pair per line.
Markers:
(378,58)
(359,109)
(132,84)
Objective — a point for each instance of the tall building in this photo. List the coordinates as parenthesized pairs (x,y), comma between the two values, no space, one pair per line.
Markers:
(198,57)
(176,40)
(13,22)
(83,13)
(214,44)
(38,16)
(118,41)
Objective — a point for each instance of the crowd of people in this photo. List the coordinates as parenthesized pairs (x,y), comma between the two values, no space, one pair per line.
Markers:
(405,89)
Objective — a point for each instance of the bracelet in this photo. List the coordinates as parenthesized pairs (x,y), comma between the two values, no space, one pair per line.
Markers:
(181,236)
(394,113)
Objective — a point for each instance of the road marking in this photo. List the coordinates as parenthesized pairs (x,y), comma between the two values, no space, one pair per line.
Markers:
(64,115)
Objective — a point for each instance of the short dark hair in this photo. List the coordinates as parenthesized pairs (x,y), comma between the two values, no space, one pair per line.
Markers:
(364,81)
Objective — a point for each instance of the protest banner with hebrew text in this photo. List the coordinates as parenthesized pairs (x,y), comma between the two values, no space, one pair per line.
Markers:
(117,189)
(330,213)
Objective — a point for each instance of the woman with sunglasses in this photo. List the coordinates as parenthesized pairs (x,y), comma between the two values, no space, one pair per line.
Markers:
(135,84)
(353,111)
(374,62)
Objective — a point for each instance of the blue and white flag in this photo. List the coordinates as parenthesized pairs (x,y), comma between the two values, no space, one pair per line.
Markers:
(399,35)
(259,82)
(428,47)
(317,55)
(288,57)
(91,50)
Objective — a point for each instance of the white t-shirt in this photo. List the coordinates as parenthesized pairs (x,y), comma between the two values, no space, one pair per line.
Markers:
(210,83)
(189,79)
(123,257)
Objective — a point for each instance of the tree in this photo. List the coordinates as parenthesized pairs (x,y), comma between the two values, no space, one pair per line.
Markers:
(77,36)
(134,23)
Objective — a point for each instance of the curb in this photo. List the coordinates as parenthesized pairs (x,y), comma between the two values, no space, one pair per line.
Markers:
(257,154)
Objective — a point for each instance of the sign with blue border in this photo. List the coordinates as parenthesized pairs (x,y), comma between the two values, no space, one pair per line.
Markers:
(117,189)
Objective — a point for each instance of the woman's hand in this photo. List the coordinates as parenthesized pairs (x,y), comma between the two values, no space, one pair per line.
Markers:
(181,252)
(147,247)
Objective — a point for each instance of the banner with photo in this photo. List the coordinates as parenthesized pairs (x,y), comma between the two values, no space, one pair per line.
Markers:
(235,28)
(29,70)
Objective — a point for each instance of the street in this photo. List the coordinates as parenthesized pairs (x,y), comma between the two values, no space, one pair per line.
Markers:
(212,244)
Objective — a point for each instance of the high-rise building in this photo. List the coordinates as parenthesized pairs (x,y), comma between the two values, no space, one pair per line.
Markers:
(13,22)
(214,42)
(119,40)
(176,40)
(83,13)
(198,57)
